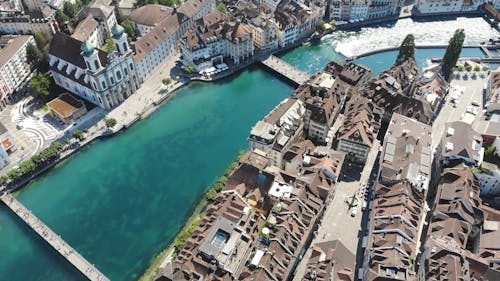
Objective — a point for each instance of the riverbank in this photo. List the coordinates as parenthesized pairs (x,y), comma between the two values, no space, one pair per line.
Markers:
(159,262)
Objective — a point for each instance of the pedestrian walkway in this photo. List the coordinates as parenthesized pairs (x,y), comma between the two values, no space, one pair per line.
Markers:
(72,256)
(285,69)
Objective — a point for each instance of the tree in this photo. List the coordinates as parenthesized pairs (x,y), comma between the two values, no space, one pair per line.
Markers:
(453,52)
(468,68)
(477,68)
(41,84)
(130,28)
(407,49)
(222,8)
(70,9)
(109,46)
(77,134)
(110,122)
(166,81)
(61,17)
(34,56)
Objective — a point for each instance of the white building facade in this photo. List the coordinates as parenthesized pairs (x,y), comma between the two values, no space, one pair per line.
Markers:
(14,67)
(103,79)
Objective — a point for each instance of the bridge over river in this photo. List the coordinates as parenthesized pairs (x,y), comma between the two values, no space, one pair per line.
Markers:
(72,256)
(285,69)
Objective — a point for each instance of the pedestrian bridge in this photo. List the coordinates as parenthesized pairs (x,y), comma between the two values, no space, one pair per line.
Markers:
(72,256)
(285,69)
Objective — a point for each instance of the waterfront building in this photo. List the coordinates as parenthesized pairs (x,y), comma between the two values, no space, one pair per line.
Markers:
(257,227)
(359,10)
(323,101)
(461,144)
(349,77)
(360,126)
(395,91)
(6,145)
(94,75)
(264,32)
(330,260)
(216,39)
(398,213)
(159,43)
(295,21)
(29,23)
(66,108)
(14,67)
(445,6)
(282,127)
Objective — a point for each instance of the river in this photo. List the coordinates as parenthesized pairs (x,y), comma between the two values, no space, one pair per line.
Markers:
(120,201)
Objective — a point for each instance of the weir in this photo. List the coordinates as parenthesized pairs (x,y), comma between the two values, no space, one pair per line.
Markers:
(72,256)
(285,69)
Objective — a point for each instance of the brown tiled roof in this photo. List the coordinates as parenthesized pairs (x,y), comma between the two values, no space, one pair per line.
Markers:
(361,121)
(330,260)
(9,45)
(191,7)
(65,104)
(85,28)
(150,41)
(151,14)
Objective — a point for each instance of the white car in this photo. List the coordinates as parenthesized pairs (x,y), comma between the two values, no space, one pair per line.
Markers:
(354,211)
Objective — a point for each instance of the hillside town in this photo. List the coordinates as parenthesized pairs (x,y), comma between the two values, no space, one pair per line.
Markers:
(354,176)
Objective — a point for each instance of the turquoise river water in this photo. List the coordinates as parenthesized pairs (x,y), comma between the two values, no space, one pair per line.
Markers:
(120,201)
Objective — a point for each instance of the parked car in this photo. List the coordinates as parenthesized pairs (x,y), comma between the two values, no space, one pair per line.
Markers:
(354,211)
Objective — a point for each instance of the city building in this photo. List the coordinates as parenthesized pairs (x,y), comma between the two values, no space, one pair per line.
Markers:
(323,102)
(399,210)
(256,228)
(90,30)
(6,145)
(350,77)
(264,32)
(29,23)
(149,16)
(14,67)
(330,260)
(295,21)
(67,108)
(275,134)
(163,31)
(359,129)
(445,6)
(395,91)
(92,74)
(103,12)
(463,234)
(460,143)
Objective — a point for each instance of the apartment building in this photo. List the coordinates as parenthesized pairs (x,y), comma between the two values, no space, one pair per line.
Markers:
(446,6)
(264,32)
(398,213)
(323,101)
(14,67)
(330,260)
(29,23)
(159,43)
(96,76)
(95,28)
(360,126)
(349,76)
(282,127)
(295,21)
(489,177)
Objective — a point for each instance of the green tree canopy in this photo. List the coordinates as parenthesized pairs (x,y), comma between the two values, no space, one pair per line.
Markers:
(130,28)
(41,84)
(109,46)
(407,49)
(34,56)
(222,8)
(453,51)
(61,17)
(110,122)
(170,3)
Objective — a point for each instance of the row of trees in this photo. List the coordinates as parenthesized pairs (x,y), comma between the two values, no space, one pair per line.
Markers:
(36,162)
(70,10)
(451,56)
(171,3)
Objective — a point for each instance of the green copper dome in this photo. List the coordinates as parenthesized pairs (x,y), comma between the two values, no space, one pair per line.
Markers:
(117,31)
(87,48)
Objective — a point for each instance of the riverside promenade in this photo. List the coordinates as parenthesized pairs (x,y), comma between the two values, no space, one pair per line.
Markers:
(72,256)
(285,69)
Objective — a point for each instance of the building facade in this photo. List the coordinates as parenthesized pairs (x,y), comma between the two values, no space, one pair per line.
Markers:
(103,79)
(14,67)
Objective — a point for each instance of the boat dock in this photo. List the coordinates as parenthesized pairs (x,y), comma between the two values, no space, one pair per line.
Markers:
(285,69)
(54,240)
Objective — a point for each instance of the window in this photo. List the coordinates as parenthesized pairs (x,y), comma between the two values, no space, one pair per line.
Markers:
(131,66)
(124,46)
(96,64)
(125,70)
(104,84)
(119,75)
(112,81)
